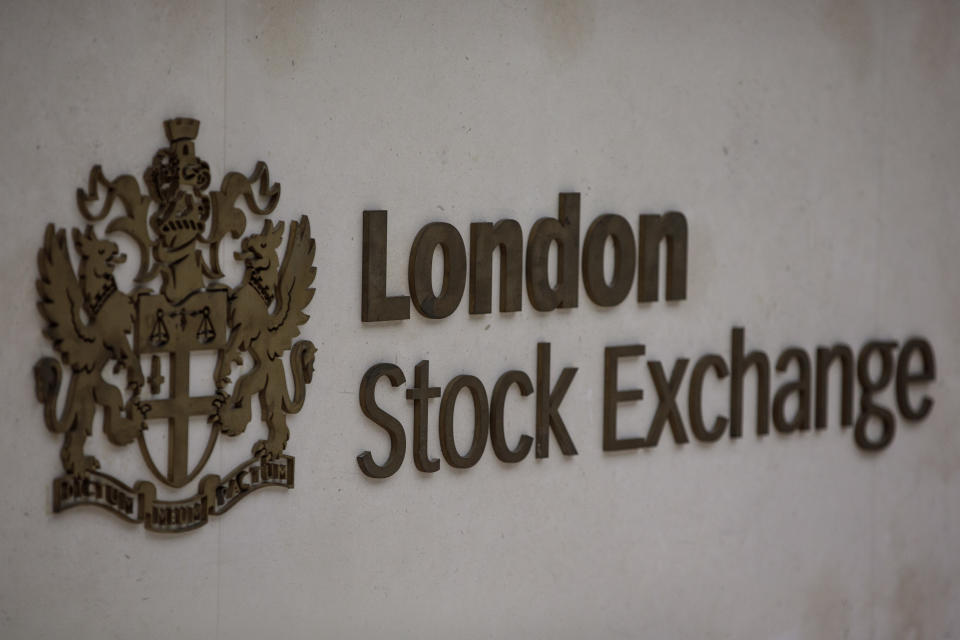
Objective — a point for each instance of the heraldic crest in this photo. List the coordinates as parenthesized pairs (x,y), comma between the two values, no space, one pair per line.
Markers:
(178,227)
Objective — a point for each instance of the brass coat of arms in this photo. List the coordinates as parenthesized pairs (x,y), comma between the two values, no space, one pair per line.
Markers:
(178,227)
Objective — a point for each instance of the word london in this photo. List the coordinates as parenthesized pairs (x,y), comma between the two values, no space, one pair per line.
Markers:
(635,254)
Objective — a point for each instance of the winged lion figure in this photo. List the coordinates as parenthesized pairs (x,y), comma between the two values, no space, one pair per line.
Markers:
(88,320)
(265,314)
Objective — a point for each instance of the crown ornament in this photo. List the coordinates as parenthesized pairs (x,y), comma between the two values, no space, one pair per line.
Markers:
(179,224)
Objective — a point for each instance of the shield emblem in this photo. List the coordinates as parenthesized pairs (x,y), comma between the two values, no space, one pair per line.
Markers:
(197,323)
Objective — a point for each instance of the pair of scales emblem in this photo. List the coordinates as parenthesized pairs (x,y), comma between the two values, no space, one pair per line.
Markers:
(178,225)
(160,335)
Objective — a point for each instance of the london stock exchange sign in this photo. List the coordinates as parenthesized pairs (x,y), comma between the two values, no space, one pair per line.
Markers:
(179,227)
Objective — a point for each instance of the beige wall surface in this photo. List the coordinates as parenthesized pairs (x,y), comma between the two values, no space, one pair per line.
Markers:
(814,148)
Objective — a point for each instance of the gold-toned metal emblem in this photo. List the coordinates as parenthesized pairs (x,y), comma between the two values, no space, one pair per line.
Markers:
(178,227)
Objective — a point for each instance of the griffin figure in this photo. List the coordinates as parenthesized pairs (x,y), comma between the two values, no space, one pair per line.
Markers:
(88,322)
(264,316)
